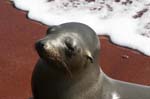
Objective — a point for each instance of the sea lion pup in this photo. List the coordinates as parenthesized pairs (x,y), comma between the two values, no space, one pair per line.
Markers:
(68,68)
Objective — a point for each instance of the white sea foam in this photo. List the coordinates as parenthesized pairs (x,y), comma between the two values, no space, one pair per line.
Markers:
(126,22)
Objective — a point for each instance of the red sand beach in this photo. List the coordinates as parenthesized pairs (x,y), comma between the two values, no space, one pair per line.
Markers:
(18,57)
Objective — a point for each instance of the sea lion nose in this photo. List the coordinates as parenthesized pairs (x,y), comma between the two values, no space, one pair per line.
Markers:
(40,46)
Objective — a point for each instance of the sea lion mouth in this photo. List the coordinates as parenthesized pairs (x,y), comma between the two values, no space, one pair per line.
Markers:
(53,54)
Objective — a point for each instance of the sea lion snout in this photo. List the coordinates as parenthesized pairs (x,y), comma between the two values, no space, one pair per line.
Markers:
(47,50)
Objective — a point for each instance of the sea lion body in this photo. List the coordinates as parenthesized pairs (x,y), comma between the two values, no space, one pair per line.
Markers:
(68,68)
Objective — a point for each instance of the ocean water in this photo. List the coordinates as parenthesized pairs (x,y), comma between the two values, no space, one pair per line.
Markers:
(126,22)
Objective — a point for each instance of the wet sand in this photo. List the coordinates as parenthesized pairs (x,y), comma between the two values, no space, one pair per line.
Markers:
(18,57)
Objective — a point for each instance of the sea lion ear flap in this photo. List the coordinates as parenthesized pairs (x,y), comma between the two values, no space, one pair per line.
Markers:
(89,56)
(50,29)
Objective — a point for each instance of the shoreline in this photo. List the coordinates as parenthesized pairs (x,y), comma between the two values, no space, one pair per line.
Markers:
(18,56)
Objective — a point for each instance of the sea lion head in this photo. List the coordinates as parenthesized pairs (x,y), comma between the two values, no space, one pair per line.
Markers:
(70,45)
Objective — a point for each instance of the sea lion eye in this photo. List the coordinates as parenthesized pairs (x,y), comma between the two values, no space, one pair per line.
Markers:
(69,44)
(70,47)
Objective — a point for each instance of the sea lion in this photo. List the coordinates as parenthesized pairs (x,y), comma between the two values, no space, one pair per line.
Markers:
(68,68)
